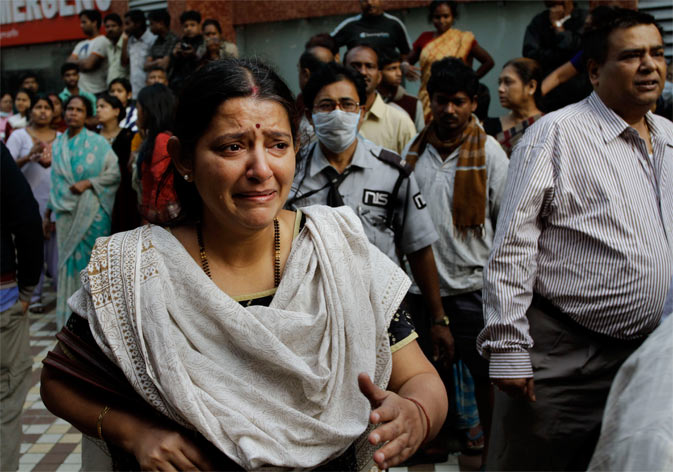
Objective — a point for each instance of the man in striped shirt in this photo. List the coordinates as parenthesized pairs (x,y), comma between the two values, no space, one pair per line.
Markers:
(583,254)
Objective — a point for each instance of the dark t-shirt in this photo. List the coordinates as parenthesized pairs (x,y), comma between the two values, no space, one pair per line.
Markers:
(382,31)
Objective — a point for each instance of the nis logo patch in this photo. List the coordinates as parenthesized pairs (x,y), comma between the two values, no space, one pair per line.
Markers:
(419,201)
(375,198)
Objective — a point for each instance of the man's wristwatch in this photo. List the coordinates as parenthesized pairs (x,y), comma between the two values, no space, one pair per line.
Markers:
(443,321)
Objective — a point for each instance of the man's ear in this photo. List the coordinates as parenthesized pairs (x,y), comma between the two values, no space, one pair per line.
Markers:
(362,117)
(594,73)
(183,166)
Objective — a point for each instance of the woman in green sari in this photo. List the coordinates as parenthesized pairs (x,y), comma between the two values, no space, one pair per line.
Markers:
(84,179)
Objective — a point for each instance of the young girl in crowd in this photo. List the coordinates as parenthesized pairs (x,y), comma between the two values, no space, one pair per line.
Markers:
(57,122)
(6,109)
(110,113)
(155,107)
(31,148)
(121,88)
(22,103)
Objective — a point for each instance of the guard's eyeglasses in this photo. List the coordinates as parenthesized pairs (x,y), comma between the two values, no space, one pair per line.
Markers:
(345,104)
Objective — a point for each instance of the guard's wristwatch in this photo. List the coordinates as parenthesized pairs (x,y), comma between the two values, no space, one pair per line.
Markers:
(443,321)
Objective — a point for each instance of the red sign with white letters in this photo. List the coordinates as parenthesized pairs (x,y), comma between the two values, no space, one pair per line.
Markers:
(43,21)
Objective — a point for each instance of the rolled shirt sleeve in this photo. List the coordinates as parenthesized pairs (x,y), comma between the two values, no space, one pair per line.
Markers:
(510,273)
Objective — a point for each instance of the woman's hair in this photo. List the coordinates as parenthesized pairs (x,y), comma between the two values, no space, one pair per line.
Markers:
(87,104)
(124,82)
(40,97)
(331,73)
(203,93)
(527,70)
(158,112)
(214,22)
(115,103)
(453,6)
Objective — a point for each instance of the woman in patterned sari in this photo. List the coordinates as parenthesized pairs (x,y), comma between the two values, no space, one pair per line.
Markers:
(242,335)
(84,179)
(446,41)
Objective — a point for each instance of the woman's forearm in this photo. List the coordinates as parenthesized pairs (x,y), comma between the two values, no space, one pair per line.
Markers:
(429,391)
(81,407)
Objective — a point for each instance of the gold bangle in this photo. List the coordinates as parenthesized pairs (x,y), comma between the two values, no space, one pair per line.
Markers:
(99,424)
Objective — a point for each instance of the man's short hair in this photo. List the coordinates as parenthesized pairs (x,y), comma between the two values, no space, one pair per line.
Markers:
(307,60)
(29,75)
(364,45)
(113,17)
(69,66)
(214,22)
(329,73)
(92,15)
(136,16)
(154,68)
(389,56)
(323,40)
(450,76)
(188,15)
(160,16)
(604,20)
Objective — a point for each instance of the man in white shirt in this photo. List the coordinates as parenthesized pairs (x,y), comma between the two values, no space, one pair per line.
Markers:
(583,252)
(138,47)
(91,54)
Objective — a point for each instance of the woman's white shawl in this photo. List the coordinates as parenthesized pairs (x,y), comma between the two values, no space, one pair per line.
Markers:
(270,385)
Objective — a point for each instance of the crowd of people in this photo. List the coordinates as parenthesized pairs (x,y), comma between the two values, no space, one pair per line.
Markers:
(349,277)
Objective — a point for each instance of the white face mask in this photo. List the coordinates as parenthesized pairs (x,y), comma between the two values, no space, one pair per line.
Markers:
(337,129)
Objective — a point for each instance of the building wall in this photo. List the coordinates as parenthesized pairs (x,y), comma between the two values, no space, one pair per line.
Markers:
(498,26)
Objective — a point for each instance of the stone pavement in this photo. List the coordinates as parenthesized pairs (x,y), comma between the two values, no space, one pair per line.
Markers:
(52,444)
(48,443)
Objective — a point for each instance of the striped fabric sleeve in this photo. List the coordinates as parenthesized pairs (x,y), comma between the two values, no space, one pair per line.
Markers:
(510,274)
(510,365)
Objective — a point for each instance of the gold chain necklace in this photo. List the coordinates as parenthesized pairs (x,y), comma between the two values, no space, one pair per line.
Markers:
(276,252)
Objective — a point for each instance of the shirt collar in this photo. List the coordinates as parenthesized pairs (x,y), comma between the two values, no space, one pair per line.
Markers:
(378,108)
(319,161)
(613,125)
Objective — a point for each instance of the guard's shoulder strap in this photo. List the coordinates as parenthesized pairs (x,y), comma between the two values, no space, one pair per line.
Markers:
(394,160)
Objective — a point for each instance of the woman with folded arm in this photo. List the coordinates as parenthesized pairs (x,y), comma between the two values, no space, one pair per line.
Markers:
(242,335)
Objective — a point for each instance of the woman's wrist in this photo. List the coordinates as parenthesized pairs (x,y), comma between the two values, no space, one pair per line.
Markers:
(425,419)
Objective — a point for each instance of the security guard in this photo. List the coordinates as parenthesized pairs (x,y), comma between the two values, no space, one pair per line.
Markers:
(343,168)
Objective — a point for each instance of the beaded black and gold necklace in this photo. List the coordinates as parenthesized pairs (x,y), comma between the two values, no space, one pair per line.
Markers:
(276,252)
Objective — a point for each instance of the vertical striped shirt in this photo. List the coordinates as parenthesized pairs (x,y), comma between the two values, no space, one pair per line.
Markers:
(587,222)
